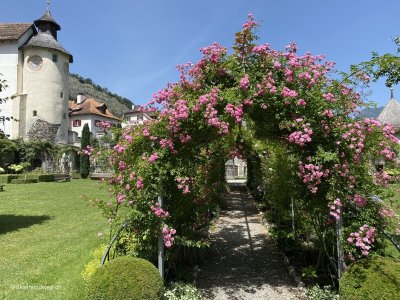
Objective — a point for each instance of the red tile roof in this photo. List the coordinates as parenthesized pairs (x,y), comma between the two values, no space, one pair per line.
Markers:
(13,31)
(90,106)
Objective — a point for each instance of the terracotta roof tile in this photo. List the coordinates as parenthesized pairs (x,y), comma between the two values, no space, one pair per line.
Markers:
(90,106)
(13,31)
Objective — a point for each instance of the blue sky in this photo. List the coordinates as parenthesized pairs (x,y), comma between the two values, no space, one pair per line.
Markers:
(132,47)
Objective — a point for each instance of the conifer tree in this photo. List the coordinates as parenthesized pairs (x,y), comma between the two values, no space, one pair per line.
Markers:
(85,162)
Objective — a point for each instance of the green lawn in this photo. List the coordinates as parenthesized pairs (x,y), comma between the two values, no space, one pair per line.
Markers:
(392,197)
(47,232)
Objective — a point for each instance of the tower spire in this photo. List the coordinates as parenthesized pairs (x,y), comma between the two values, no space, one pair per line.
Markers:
(48,5)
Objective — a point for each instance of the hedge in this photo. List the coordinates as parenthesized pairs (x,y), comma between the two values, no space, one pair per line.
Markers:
(23,181)
(46,178)
(371,278)
(7,178)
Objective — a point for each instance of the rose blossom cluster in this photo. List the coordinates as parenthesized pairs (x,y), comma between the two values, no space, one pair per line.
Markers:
(387,212)
(335,209)
(382,178)
(303,136)
(168,236)
(244,82)
(183,184)
(363,239)
(311,175)
(88,150)
(105,125)
(235,111)
(288,93)
(158,211)
(359,200)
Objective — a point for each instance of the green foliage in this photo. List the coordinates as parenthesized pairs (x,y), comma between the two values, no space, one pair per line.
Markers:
(325,293)
(23,181)
(85,162)
(293,120)
(386,65)
(182,291)
(3,86)
(46,178)
(126,278)
(123,100)
(94,264)
(7,178)
(28,151)
(371,278)
(75,174)
(17,169)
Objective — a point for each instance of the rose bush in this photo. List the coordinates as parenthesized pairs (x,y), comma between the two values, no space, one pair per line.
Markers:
(239,101)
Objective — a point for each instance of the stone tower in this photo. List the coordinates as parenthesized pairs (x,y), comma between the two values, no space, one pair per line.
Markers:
(42,104)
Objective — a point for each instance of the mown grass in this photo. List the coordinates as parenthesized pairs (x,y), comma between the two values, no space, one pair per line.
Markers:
(47,232)
(392,198)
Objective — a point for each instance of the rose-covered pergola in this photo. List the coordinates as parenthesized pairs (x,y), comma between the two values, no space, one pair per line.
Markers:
(221,106)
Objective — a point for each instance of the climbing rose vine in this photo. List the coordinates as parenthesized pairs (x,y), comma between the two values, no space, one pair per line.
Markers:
(218,103)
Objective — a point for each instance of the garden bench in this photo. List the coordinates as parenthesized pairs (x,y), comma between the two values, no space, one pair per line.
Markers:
(1,187)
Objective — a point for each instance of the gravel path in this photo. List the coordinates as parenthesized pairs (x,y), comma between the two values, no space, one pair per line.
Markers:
(245,262)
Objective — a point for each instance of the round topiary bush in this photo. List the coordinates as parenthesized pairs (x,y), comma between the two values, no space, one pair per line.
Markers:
(371,278)
(126,278)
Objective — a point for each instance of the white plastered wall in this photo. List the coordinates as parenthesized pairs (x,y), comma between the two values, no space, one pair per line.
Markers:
(43,89)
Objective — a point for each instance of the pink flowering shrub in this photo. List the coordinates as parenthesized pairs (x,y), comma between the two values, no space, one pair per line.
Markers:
(362,241)
(268,104)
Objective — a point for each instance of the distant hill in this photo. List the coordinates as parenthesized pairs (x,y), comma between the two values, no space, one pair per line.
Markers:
(117,104)
(371,112)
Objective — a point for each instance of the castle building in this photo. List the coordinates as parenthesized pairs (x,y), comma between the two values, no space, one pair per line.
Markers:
(36,69)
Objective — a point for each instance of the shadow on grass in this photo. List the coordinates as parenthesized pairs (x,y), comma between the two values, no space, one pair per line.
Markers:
(10,223)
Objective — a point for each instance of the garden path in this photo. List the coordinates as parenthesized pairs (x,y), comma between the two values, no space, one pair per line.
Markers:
(245,262)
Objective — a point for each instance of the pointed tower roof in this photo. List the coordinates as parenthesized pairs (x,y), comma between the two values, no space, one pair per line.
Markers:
(46,37)
(391,112)
(47,18)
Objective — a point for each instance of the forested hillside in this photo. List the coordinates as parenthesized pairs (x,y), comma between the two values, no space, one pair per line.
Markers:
(117,104)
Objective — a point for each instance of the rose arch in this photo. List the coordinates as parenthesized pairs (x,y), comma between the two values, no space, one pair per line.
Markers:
(294,122)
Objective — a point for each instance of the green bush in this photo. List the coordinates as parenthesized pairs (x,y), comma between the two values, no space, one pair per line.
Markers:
(182,291)
(325,293)
(76,175)
(371,278)
(94,264)
(29,176)
(7,178)
(46,178)
(85,162)
(23,181)
(126,278)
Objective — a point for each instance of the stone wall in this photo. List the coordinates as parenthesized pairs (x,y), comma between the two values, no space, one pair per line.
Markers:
(43,131)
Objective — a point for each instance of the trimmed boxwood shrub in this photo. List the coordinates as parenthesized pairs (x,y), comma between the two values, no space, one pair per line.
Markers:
(29,176)
(371,278)
(23,181)
(126,278)
(46,178)
(7,178)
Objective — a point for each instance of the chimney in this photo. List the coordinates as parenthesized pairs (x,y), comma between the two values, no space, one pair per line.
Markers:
(133,106)
(79,98)
(391,93)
